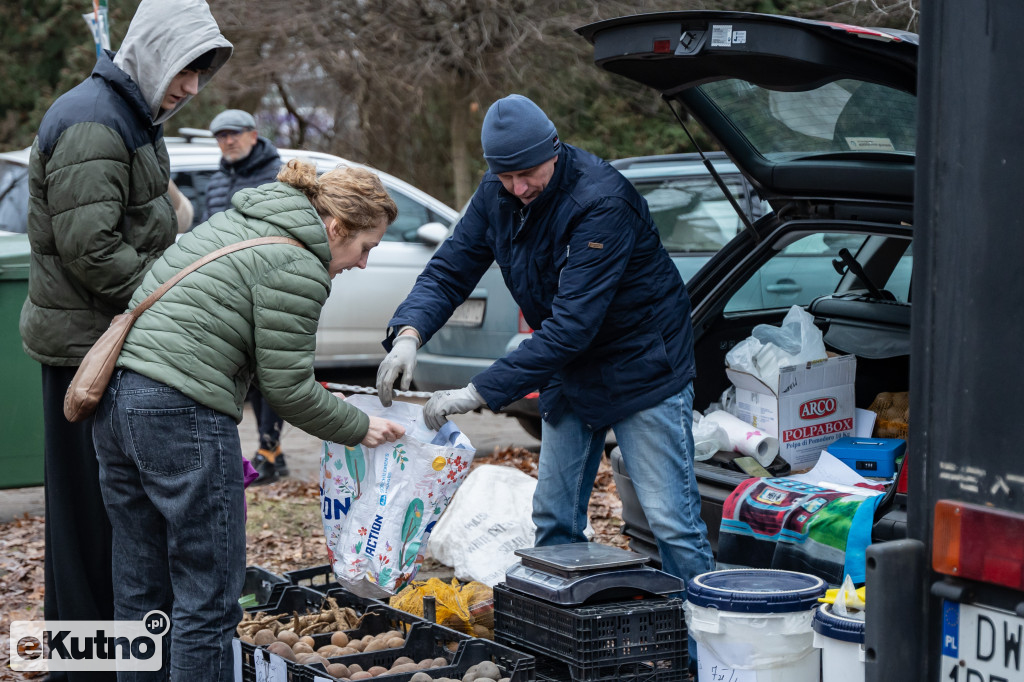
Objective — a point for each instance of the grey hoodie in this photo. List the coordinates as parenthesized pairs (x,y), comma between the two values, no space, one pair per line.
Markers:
(163,38)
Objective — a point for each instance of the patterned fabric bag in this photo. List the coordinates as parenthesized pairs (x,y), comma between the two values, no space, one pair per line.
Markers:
(380,504)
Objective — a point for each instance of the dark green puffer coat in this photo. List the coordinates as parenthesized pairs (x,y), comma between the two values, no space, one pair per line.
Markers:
(252,314)
(99,213)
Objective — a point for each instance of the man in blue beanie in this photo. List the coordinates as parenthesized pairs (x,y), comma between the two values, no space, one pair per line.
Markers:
(612,346)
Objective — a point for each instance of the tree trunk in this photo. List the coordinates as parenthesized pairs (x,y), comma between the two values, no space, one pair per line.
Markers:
(460,102)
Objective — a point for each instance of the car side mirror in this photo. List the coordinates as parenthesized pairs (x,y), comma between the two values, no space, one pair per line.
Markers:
(432,233)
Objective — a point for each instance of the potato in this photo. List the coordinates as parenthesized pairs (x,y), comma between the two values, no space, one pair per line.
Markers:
(302,648)
(421,677)
(440,662)
(360,676)
(330,651)
(308,641)
(264,637)
(281,649)
(337,670)
(288,637)
(403,668)
(348,651)
(377,670)
(355,668)
(394,643)
(426,663)
(357,644)
(489,670)
(402,660)
(339,639)
(375,645)
(247,639)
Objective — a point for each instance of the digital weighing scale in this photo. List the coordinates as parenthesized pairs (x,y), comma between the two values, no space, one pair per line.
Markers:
(587,571)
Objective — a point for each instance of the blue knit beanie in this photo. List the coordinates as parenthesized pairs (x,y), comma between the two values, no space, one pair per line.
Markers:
(517,135)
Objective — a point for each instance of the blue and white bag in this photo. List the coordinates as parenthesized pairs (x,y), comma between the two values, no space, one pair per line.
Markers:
(380,504)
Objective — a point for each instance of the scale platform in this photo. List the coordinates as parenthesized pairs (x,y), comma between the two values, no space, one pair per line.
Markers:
(586,571)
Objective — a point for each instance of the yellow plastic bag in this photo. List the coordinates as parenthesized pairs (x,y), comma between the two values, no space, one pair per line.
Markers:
(467,608)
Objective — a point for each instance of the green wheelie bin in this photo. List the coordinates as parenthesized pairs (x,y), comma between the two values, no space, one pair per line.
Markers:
(21,395)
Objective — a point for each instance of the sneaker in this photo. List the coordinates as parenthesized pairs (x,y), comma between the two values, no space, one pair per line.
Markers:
(265,468)
(280,465)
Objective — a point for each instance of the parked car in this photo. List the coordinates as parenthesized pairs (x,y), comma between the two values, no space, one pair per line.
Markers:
(694,218)
(361,302)
(821,119)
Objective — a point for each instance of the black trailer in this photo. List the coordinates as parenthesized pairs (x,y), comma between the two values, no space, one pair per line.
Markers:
(948,602)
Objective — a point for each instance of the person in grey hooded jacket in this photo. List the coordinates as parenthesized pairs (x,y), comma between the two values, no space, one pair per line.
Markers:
(99,216)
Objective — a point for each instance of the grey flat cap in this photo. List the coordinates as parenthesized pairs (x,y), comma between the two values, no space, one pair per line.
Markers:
(232,119)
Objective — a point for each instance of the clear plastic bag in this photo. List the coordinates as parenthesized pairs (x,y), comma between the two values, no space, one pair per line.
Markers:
(768,348)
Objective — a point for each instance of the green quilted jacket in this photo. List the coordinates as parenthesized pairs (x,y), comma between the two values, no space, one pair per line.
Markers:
(249,315)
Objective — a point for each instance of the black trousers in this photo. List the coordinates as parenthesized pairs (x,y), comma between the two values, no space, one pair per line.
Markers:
(77,555)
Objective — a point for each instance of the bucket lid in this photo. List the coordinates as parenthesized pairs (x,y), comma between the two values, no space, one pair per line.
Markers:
(756,590)
(833,625)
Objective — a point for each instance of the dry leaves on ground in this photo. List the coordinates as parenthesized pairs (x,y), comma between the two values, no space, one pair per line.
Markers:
(283,533)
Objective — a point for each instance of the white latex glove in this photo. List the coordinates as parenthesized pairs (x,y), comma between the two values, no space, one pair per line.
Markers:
(444,403)
(400,362)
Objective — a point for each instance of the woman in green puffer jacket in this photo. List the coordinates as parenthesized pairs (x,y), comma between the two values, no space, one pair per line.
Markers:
(166,430)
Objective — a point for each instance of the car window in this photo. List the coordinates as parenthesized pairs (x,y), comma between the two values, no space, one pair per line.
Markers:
(193,185)
(803,271)
(13,197)
(841,116)
(693,214)
(411,216)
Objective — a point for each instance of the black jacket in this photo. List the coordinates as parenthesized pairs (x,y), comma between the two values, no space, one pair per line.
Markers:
(259,168)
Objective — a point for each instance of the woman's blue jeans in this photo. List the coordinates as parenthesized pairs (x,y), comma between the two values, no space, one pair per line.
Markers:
(657,449)
(171,477)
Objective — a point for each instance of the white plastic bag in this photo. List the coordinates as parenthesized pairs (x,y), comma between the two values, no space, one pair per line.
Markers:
(768,348)
(488,520)
(708,438)
(380,504)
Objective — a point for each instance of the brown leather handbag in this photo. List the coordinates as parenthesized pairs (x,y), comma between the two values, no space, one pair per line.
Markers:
(97,366)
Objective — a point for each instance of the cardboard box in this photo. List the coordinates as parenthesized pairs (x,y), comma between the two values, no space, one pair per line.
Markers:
(812,406)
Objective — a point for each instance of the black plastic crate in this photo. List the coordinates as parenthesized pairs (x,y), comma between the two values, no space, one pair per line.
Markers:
(287,599)
(320,578)
(631,640)
(422,640)
(260,583)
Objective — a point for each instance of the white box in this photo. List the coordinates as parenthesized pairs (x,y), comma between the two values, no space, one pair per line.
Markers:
(812,406)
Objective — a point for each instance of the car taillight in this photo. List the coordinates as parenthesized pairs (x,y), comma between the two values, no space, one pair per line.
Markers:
(979,543)
(523,327)
(662,46)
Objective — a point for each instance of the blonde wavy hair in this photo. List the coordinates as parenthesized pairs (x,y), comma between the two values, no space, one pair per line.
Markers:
(355,197)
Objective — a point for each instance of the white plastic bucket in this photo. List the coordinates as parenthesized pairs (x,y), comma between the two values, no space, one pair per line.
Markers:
(841,640)
(754,625)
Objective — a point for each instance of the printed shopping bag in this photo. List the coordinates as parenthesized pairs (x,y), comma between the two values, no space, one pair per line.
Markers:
(380,504)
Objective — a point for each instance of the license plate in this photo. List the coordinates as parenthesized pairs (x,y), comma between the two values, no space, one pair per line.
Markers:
(469,314)
(980,644)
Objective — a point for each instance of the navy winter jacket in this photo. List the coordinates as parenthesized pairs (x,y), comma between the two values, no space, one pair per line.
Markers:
(258,168)
(610,312)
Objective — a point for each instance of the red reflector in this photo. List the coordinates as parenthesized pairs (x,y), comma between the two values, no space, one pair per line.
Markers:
(523,327)
(531,396)
(662,46)
(979,543)
(901,482)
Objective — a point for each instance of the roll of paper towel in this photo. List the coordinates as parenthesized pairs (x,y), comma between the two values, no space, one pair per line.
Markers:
(745,438)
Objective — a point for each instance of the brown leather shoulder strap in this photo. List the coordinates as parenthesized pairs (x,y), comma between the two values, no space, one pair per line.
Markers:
(213,255)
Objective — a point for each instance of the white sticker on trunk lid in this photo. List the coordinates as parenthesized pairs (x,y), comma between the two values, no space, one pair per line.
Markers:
(721,36)
(870,144)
